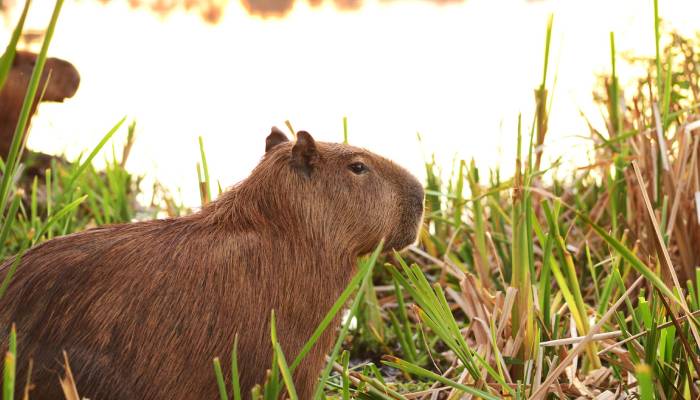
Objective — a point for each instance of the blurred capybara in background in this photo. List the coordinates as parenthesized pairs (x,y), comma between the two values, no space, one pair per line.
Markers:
(142,308)
(63,83)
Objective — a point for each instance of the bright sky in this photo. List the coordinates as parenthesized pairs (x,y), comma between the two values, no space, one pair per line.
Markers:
(458,74)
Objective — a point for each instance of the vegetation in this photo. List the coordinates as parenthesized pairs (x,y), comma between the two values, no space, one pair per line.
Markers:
(553,283)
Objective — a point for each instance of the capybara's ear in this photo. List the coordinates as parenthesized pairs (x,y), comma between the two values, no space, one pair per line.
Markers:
(274,138)
(304,153)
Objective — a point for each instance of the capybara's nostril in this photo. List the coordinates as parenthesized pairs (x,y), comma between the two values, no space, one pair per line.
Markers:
(417,203)
(417,196)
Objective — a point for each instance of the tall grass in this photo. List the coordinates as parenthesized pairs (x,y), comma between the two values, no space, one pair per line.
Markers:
(511,274)
(552,283)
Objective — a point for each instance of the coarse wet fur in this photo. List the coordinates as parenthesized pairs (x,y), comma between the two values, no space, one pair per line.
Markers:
(63,83)
(142,308)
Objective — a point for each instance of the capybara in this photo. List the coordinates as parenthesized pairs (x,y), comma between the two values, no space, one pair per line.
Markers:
(63,83)
(142,308)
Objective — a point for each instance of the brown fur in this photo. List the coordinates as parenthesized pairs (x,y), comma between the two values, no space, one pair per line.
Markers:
(143,308)
(62,85)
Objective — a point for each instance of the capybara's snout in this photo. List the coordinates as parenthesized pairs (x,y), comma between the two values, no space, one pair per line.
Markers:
(64,79)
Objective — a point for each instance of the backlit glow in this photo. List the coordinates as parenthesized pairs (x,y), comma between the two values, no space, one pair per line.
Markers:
(459,74)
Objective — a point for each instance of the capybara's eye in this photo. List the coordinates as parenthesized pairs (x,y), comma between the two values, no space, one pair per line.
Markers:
(358,168)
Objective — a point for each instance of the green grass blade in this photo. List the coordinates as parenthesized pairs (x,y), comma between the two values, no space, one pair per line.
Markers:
(205,170)
(405,324)
(345,130)
(614,91)
(220,379)
(9,55)
(70,207)
(13,267)
(8,222)
(8,381)
(345,362)
(281,360)
(85,164)
(286,374)
(657,40)
(631,258)
(646,385)
(235,375)
(419,371)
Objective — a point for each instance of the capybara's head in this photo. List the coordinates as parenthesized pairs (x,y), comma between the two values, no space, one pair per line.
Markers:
(329,190)
(64,78)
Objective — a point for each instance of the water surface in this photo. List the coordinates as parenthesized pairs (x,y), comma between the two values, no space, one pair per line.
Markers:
(457,73)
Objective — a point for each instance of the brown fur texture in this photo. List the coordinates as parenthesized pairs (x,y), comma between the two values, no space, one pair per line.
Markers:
(63,84)
(143,308)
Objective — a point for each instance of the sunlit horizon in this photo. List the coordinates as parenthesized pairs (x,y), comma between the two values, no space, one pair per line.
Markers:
(459,74)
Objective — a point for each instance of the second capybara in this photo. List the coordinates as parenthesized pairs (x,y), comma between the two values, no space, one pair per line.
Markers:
(60,78)
(142,308)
